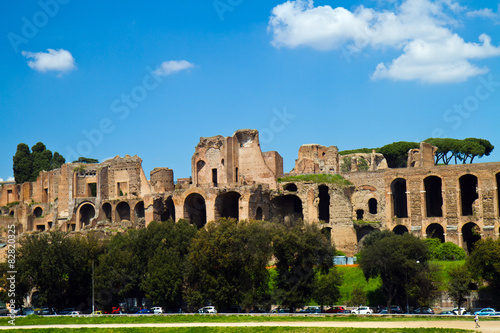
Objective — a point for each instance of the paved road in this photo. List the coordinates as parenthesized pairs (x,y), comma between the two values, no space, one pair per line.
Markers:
(486,326)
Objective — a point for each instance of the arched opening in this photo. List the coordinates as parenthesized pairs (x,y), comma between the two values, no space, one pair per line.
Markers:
(400,229)
(87,212)
(123,210)
(106,208)
(470,235)
(372,206)
(361,233)
(399,199)
(38,212)
(291,187)
(169,213)
(324,204)
(359,214)
(195,210)
(11,214)
(468,193)
(199,169)
(139,209)
(433,196)
(435,230)
(258,214)
(327,232)
(227,205)
(286,208)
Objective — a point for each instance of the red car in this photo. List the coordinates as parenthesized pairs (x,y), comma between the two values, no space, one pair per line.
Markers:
(336,309)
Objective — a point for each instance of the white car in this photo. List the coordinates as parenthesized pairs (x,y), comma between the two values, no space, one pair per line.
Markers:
(157,310)
(207,309)
(459,312)
(75,313)
(362,310)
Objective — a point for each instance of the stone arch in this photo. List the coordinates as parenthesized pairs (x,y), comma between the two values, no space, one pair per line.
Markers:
(11,213)
(372,206)
(290,187)
(468,193)
(123,211)
(227,205)
(324,204)
(327,232)
(287,207)
(433,196)
(86,212)
(107,209)
(400,229)
(399,198)
(259,214)
(435,230)
(199,170)
(139,209)
(362,232)
(169,213)
(195,209)
(38,212)
(470,235)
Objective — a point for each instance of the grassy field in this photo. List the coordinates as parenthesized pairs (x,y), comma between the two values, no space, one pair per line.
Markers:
(246,330)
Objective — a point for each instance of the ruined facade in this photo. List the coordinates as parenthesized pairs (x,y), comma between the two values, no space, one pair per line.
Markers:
(232,177)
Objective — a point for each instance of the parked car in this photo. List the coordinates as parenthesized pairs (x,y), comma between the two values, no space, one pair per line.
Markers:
(362,310)
(157,310)
(311,309)
(485,312)
(423,311)
(447,313)
(66,311)
(458,311)
(335,309)
(143,311)
(207,309)
(75,313)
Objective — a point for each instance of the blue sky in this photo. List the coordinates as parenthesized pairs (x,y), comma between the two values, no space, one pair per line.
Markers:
(100,79)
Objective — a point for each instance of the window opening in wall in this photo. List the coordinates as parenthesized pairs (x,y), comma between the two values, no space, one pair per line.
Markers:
(359,214)
(214,177)
(40,227)
(468,193)
(38,212)
(93,189)
(122,189)
(399,199)
(324,204)
(258,214)
(372,206)
(433,196)
(236,174)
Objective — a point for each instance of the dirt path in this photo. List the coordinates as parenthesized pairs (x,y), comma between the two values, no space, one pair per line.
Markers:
(486,326)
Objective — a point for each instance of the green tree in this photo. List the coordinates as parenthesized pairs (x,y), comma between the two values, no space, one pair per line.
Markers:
(163,282)
(396,153)
(86,160)
(396,259)
(227,263)
(300,250)
(459,286)
(326,288)
(28,164)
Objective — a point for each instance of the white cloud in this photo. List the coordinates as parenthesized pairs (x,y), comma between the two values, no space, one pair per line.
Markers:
(485,13)
(52,60)
(431,52)
(10,179)
(173,66)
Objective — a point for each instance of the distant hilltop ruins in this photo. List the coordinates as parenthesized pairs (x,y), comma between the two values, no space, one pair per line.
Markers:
(232,177)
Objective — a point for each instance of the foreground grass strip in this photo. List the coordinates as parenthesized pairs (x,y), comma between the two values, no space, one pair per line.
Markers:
(135,319)
(246,330)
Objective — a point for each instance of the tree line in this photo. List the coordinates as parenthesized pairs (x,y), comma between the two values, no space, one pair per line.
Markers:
(246,264)
(449,150)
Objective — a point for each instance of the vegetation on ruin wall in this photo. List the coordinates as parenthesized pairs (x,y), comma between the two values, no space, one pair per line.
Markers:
(317,178)
(28,164)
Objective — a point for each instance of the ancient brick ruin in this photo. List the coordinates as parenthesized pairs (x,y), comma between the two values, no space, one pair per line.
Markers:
(232,177)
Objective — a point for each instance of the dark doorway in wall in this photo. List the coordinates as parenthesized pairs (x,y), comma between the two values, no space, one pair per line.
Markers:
(324,204)
(470,235)
(38,212)
(214,177)
(399,199)
(169,213)
(195,210)
(291,187)
(435,230)
(106,208)
(87,212)
(139,209)
(123,210)
(92,189)
(361,233)
(372,206)
(468,193)
(258,214)
(327,232)
(286,208)
(359,214)
(227,205)
(400,230)
(433,196)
